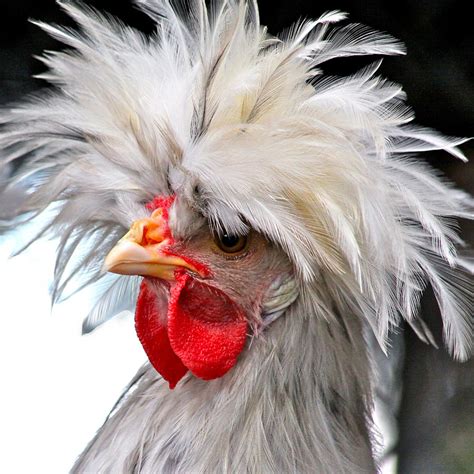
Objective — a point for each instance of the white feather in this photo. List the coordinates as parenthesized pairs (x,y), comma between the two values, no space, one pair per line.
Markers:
(332,185)
(120,295)
(323,167)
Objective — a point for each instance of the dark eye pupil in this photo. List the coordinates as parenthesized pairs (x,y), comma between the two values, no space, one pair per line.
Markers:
(231,244)
(229,240)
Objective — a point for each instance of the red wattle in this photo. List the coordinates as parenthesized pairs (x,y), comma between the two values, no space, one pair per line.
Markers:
(206,329)
(153,335)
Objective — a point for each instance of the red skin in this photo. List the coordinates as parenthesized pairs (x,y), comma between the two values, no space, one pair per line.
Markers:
(204,331)
(153,335)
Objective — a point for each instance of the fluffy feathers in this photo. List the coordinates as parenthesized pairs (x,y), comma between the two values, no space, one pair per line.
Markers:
(248,131)
(212,96)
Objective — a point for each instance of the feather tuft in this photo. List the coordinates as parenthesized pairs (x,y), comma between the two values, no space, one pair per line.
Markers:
(323,166)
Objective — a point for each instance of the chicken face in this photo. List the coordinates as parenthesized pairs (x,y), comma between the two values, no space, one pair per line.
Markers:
(202,292)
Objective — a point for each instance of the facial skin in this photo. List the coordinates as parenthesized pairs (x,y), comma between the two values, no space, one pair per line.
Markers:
(203,292)
(244,276)
(175,238)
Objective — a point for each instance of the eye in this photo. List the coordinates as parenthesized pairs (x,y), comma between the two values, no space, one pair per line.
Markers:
(231,244)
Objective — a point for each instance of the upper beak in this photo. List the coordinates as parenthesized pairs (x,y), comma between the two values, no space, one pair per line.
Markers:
(141,251)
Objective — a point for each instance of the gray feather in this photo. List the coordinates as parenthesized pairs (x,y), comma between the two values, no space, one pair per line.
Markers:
(120,295)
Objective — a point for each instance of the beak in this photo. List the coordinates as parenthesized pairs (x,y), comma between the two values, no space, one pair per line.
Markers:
(141,251)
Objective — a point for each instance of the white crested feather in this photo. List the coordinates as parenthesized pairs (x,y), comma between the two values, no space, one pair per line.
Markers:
(325,171)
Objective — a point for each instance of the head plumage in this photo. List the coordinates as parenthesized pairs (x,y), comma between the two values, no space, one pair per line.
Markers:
(322,166)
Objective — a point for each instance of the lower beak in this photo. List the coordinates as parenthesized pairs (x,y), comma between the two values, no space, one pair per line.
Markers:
(131,257)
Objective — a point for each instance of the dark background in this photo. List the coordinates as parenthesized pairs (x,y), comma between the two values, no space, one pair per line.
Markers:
(437,410)
(437,74)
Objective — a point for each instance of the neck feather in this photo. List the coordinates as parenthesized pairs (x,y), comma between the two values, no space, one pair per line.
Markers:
(297,401)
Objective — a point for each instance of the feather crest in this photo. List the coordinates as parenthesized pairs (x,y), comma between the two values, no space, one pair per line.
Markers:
(324,170)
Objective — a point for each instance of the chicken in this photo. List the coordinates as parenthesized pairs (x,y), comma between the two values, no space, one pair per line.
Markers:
(274,216)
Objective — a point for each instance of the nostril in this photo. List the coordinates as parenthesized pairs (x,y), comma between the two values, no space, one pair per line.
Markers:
(153,233)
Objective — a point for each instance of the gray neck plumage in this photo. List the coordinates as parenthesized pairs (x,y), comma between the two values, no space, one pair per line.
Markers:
(297,401)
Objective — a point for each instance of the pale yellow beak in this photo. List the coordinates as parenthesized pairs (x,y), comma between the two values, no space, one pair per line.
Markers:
(141,251)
